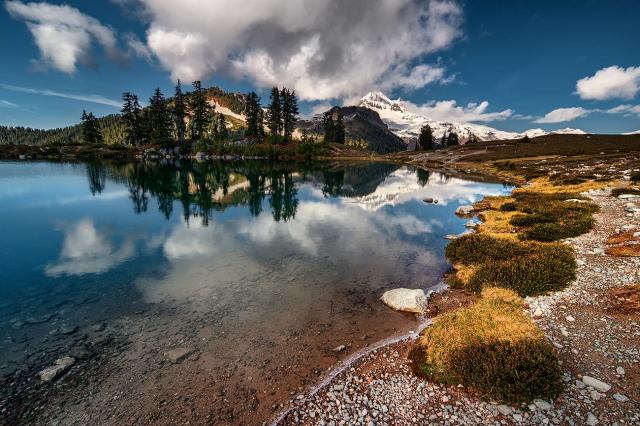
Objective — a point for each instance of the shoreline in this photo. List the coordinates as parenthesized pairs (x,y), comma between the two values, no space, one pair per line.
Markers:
(579,398)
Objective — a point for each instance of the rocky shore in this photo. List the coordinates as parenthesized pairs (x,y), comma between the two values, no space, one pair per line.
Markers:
(596,339)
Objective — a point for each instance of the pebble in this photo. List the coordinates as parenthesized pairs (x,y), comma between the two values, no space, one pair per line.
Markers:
(620,397)
(592,420)
(339,348)
(620,371)
(505,410)
(179,354)
(596,384)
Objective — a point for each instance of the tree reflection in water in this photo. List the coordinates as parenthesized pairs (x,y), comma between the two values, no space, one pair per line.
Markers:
(201,188)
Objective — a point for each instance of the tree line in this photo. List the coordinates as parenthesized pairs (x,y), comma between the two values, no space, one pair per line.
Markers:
(279,118)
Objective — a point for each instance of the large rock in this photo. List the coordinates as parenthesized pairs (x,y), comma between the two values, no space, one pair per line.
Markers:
(406,300)
(464,210)
(61,365)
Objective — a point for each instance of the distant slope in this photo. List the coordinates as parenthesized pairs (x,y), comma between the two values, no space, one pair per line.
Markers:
(361,124)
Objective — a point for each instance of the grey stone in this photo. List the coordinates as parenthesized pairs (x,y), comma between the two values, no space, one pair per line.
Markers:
(505,410)
(620,371)
(620,397)
(464,210)
(60,366)
(405,300)
(542,404)
(592,420)
(596,384)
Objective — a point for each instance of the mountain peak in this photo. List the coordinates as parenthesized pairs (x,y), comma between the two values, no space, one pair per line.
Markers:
(378,100)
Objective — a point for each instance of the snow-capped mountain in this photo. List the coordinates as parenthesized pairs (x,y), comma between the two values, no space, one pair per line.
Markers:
(407,124)
(637,132)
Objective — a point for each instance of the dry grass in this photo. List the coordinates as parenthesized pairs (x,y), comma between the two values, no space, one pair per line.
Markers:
(626,300)
(493,347)
(630,250)
(624,237)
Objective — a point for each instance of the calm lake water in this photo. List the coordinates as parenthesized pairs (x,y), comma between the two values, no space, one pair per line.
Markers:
(260,268)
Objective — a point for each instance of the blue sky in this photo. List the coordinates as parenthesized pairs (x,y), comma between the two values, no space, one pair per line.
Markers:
(512,65)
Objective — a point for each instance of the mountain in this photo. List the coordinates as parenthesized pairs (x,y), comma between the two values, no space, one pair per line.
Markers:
(363,124)
(407,124)
(637,132)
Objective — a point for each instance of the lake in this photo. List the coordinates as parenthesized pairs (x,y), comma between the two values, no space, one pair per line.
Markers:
(259,269)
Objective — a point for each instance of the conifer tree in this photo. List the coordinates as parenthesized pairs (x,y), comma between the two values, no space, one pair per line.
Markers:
(91,131)
(253,112)
(159,120)
(339,131)
(443,140)
(425,140)
(179,113)
(132,118)
(289,113)
(329,127)
(453,139)
(274,113)
(201,112)
(222,131)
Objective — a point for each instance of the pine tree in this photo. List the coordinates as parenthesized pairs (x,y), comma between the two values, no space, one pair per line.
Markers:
(91,131)
(329,127)
(222,131)
(289,113)
(160,120)
(274,113)
(132,118)
(339,130)
(425,140)
(179,113)
(453,139)
(253,112)
(201,112)
(443,140)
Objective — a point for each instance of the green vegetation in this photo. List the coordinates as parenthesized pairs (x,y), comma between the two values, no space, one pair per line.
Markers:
(528,268)
(334,130)
(91,131)
(615,192)
(550,217)
(492,347)
(635,176)
(425,140)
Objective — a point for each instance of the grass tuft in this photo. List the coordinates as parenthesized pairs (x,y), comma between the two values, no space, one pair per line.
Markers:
(526,267)
(615,192)
(492,347)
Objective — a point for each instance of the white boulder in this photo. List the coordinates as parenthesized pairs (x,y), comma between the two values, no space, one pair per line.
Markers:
(405,300)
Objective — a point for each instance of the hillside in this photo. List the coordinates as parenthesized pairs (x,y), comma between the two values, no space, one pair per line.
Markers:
(361,124)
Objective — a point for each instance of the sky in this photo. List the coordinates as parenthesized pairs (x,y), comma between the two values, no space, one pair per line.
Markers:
(513,65)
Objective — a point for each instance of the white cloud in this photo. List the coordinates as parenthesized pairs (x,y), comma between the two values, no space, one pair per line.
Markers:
(62,33)
(563,114)
(451,111)
(87,251)
(626,110)
(611,82)
(322,49)
(7,104)
(96,99)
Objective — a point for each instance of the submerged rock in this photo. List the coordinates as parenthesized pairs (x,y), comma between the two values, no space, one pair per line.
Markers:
(61,365)
(179,354)
(406,300)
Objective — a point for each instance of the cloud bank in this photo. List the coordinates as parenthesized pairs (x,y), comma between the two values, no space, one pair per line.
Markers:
(322,49)
(63,34)
(451,111)
(609,83)
(563,114)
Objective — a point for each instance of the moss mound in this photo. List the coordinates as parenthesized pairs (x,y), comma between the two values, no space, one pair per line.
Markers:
(526,267)
(492,347)
(550,217)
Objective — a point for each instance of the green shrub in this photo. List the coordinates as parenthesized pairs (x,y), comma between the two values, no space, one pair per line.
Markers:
(635,176)
(526,267)
(619,191)
(492,347)
(508,207)
(547,268)
(549,217)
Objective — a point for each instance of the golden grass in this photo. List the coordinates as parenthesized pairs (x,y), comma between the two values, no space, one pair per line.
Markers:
(626,300)
(631,250)
(624,237)
(492,346)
